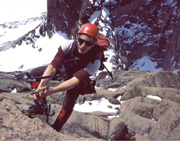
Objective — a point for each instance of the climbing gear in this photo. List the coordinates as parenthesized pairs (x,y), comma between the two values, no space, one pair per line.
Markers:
(42,108)
(101,45)
(89,29)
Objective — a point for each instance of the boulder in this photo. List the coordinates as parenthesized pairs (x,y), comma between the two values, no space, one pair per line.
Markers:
(168,124)
(86,125)
(14,125)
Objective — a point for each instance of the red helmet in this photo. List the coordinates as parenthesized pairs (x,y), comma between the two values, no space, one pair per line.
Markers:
(89,29)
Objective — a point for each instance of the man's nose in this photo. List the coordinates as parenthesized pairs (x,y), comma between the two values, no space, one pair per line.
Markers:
(83,45)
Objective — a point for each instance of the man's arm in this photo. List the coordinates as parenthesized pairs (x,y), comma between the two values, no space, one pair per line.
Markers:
(64,86)
(50,70)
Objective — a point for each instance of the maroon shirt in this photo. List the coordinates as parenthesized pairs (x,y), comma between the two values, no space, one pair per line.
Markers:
(82,74)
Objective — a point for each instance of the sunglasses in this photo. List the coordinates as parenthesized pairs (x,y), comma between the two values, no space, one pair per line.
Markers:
(81,41)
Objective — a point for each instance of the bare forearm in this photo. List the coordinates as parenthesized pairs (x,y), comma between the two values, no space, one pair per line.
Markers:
(50,70)
(66,85)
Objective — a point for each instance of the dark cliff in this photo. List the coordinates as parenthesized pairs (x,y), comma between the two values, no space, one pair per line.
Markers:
(137,28)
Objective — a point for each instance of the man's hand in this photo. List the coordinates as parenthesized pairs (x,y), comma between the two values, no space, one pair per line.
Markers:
(42,92)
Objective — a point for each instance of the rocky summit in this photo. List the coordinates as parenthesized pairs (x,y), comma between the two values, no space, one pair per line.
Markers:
(148,103)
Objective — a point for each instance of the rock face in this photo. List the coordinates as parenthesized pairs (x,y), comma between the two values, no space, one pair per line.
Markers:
(149,110)
(14,125)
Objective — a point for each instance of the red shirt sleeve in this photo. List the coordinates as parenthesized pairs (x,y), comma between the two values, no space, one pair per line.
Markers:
(81,75)
(58,59)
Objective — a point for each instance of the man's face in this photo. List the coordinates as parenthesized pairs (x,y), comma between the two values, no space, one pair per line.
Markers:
(85,43)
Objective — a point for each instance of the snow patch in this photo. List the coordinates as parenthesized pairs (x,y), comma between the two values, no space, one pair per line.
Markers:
(102,105)
(154,97)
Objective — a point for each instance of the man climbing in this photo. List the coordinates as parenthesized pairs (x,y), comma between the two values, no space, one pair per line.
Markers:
(80,60)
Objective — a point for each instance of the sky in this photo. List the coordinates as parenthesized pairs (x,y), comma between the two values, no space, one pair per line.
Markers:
(24,57)
(13,10)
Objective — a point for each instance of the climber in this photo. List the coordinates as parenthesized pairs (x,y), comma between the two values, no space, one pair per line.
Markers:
(79,60)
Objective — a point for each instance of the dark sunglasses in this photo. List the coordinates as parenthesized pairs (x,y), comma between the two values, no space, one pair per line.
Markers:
(81,41)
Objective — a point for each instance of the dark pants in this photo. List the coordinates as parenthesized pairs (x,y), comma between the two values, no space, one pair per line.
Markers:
(68,103)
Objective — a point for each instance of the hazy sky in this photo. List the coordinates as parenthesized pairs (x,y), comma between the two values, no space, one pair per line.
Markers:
(10,10)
